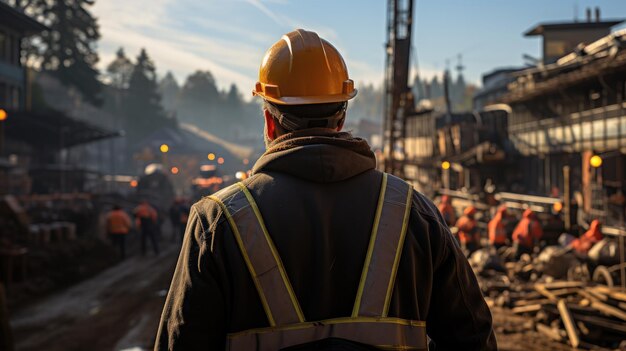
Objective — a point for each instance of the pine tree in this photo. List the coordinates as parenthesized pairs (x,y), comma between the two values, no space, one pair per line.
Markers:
(120,70)
(169,90)
(68,50)
(142,103)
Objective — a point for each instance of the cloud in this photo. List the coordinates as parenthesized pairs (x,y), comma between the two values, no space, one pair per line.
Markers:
(274,17)
(176,49)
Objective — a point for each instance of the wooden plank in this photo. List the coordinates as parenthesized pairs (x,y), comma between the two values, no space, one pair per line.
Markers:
(527,308)
(568,322)
(563,285)
(564,291)
(612,292)
(543,291)
(550,332)
(520,303)
(609,310)
(603,307)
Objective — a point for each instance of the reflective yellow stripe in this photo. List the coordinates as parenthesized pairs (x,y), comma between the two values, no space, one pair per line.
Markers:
(279,262)
(342,320)
(233,226)
(370,249)
(394,271)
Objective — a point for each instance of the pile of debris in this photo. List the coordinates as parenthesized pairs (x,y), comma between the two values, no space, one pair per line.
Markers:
(581,314)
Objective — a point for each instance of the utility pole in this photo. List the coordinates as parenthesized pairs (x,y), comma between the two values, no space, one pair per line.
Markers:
(397,99)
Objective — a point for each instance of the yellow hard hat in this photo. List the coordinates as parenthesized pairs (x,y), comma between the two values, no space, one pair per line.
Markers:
(302,68)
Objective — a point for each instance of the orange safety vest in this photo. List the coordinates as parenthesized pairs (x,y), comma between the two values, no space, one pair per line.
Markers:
(527,231)
(467,229)
(369,322)
(118,222)
(447,212)
(497,231)
(587,240)
(145,211)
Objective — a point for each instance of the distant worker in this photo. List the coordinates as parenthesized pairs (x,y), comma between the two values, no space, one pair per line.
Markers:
(146,219)
(497,228)
(318,250)
(593,235)
(447,211)
(179,214)
(468,231)
(118,225)
(527,233)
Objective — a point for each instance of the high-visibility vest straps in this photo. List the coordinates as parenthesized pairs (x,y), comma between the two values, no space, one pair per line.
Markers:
(369,323)
(383,333)
(385,248)
(264,264)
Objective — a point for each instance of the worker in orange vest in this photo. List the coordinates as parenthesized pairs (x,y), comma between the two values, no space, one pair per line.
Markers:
(527,233)
(468,231)
(497,228)
(583,244)
(118,225)
(146,219)
(447,211)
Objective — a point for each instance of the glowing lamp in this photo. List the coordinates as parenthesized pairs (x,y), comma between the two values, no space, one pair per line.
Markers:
(3,115)
(595,161)
(211,156)
(445,165)
(174,170)
(164,148)
(220,160)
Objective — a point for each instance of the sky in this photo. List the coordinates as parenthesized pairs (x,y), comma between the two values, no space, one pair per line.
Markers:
(230,37)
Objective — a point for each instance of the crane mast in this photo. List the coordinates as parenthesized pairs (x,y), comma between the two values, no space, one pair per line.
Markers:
(397,99)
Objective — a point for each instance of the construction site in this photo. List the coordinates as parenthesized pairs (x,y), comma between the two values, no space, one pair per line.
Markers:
(529,175)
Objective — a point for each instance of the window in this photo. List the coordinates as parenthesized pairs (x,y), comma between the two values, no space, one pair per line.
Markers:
(3,46)
(3,95)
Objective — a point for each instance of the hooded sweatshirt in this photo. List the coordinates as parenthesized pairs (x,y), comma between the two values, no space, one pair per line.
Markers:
(317,191)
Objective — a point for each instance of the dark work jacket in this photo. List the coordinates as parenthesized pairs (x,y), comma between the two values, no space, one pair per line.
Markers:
(317,192)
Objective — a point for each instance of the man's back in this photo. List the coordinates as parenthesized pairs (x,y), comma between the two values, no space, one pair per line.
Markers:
(318,199)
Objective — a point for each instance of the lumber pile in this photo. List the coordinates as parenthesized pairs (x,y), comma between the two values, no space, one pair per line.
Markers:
(584,316)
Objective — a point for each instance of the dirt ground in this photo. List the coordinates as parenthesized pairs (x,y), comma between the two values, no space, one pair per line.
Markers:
(119,309)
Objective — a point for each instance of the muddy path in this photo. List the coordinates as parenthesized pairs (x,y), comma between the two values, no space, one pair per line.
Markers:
(118,309)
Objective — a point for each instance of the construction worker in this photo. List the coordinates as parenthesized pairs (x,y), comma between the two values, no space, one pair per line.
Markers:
(497,228)
(468,231)
(583,244)
(447,211)
(318,249)
(146,220)
(527,233)
(118,225)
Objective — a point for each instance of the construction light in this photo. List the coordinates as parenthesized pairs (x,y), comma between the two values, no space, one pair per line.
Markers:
(164,148)
(3,115)
(595,161)
(220,160)
(445,165)
(211,156)
(133,183)
(174,170)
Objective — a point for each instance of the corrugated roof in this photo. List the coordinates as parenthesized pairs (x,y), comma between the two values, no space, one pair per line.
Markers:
(541,28)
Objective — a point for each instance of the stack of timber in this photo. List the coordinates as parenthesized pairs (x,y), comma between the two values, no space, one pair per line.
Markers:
(582,315)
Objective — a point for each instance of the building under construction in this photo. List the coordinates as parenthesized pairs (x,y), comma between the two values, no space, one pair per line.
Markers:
(556,129)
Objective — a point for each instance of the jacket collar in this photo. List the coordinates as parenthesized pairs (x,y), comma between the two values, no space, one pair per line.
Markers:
(317,154)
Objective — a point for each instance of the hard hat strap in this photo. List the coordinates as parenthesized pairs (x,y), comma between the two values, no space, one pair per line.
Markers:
(291,122)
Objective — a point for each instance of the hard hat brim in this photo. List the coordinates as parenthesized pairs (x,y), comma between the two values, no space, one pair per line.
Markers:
(307,100)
